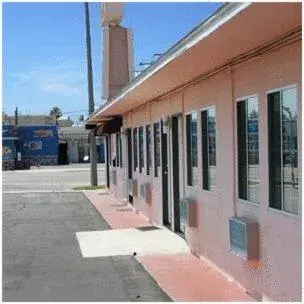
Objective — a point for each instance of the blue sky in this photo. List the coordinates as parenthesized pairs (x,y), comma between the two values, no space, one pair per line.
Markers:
(44,52)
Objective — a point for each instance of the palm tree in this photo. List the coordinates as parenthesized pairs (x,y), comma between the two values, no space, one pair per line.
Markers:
(56,112)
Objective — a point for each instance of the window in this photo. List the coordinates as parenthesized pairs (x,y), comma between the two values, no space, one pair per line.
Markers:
(148,148)
(248,149)
(283,150)
(156,148)
(141,148)
(36,145)
(191,120)
(110,149)
(120,151)
(135,148)
(117,150)
(208,126)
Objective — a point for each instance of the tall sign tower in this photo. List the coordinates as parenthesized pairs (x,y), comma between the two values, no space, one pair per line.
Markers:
(117,66)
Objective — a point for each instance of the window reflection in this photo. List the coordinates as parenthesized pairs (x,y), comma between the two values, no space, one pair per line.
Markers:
(192,170)
(253,148)
(141,148)
(290,150)
(208,124)
(156,148)
(248,149)
(283,150)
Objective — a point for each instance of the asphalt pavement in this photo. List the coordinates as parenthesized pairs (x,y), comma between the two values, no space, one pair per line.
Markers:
(47,178)
(41,256)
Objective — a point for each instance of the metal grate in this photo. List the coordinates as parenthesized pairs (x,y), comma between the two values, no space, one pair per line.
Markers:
(244,237)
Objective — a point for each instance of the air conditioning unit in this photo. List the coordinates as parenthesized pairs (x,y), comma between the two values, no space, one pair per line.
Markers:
(113,177)
(134,188)
(244,237)
(145,192)
(188,211)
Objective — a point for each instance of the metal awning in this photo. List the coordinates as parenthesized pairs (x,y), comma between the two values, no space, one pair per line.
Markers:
(112,126)
(105,125)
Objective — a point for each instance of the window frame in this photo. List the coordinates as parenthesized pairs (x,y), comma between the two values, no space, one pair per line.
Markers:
(267,93)
(141,154)
(240,99)
(148,148)
(189,160)
(120,150)
(135,148)
(117,164)
(156,123)
(206,108)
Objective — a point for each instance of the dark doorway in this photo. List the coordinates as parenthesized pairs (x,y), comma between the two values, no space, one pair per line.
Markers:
(130,171)
(175,172)
(63,154)
(164,156)
(108,161)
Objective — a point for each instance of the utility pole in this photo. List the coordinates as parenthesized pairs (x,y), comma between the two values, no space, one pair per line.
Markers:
(93,150)
(16,116)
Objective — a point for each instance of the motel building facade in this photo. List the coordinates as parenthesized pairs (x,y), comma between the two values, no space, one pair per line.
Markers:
(207,142)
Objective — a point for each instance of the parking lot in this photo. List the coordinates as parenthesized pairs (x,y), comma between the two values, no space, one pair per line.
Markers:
(42,260)
(55,178)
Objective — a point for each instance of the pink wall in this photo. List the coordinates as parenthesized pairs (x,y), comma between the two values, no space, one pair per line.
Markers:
(277,275)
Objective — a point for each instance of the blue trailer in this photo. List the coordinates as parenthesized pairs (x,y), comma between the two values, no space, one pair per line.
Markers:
(9,142)
(39,144)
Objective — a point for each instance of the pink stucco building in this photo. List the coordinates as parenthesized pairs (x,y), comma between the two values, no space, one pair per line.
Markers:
(207,141)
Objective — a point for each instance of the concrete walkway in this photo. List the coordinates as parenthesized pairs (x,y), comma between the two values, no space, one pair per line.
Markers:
(180,274)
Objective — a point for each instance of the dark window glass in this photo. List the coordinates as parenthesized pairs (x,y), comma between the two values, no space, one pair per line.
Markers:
(191,129)
(135,148)
(148,148)
(117,150)
(156,148)
(208,125)
(248,149)
(110,150)
(141,148)
(283,150)
(120,150)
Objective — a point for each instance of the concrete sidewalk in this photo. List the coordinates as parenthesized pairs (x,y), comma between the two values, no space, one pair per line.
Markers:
(184,277)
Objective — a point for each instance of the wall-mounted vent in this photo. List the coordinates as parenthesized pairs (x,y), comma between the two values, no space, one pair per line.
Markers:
(145,192)
(188,212)
(113,177)
(244,237)
(134,188)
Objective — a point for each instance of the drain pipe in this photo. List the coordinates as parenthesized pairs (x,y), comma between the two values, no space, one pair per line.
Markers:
(234,126)
(184,143)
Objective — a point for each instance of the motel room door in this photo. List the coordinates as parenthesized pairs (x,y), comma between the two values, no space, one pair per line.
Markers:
(176,174)
(129,158)
(165,184)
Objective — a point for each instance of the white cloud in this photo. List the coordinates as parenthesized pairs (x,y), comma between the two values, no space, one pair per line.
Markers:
(22,77)
(60,88)
(66,80)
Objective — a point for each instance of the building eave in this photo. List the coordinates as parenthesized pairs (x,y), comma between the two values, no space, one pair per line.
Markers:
(208,26)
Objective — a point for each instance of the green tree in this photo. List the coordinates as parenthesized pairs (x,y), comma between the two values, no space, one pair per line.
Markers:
(56,112)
